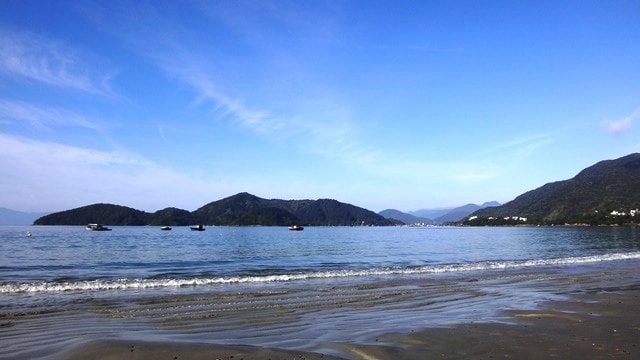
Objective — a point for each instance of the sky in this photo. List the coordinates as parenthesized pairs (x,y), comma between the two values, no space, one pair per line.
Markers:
(380,104)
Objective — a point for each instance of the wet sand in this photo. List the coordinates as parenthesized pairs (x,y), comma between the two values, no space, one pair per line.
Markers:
(583,312)
(116,350)
(603,324)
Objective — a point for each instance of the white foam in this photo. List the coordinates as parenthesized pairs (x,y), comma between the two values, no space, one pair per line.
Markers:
(128,284)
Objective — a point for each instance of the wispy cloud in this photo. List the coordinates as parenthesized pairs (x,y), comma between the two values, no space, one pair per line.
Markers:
(521,146)
(47,61)
(256,120)
(41,175)
(324,125)
(622,125)
(42,117)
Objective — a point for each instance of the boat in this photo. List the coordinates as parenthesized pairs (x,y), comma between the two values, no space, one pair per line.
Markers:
(165,228)
(296,228)
(97,227)
(198,227)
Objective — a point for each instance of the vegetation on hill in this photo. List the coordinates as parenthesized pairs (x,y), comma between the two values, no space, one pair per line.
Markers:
(459,213)
(332,212)
(247,209)
(404,218)
(605,193)
(171,217)
(240,209)
(102,213)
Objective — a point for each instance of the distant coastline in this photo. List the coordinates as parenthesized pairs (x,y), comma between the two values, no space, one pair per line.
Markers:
(242,209)
(13,217)
(606,193)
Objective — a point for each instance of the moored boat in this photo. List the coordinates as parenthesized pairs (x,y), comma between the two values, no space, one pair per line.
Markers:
(296,228)
(97,227)
(165,228)
(198,227)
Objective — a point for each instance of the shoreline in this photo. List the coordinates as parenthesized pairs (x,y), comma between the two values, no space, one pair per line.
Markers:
(575,312)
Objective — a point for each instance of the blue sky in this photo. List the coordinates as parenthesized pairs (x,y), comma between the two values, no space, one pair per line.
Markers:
(381,104)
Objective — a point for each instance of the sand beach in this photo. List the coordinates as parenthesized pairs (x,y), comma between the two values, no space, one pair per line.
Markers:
(579,312)
(603,324)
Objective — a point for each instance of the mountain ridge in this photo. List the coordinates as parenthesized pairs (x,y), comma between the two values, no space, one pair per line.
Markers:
(403,217)
(444,215)
(242,209)
(589,197)
(14,217)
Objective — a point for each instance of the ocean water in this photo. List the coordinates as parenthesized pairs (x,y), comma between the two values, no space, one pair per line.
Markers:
(69,259)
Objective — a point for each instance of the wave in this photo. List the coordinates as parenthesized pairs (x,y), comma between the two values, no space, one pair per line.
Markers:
(132,284)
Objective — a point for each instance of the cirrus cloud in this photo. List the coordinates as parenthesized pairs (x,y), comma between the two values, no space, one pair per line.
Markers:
(622,125)
(42,117)
(51,62)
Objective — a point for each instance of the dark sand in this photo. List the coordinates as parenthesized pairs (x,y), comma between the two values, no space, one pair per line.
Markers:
(116,350)
(599,325)
(597,317)
(602,325)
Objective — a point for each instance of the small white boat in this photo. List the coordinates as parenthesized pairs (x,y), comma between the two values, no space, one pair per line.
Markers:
(296,228)
(97,227)
(199,227)
(165,228)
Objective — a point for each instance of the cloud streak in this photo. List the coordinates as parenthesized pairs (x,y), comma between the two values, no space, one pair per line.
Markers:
(42,117)
(50,62)
(324,124)
(522,146)
(616,127)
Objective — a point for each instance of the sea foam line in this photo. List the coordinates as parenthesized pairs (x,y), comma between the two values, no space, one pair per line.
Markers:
(132,284)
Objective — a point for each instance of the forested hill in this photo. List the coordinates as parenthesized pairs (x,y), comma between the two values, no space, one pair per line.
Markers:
(240,209)
(96,213)
(247,209)
(590,197)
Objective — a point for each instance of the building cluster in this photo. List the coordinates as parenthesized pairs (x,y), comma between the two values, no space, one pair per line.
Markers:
(631,212)
(516,218)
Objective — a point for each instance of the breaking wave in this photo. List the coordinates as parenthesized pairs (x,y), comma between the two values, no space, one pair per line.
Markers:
(128,284)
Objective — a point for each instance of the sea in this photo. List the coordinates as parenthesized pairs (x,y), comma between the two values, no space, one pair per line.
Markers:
(130,272)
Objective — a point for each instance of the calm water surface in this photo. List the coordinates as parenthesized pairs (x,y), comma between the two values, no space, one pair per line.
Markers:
(69,258)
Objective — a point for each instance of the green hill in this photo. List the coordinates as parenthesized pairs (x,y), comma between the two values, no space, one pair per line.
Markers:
(96,213)
(240,209)
(247,209)
(171,217)
(589,197)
